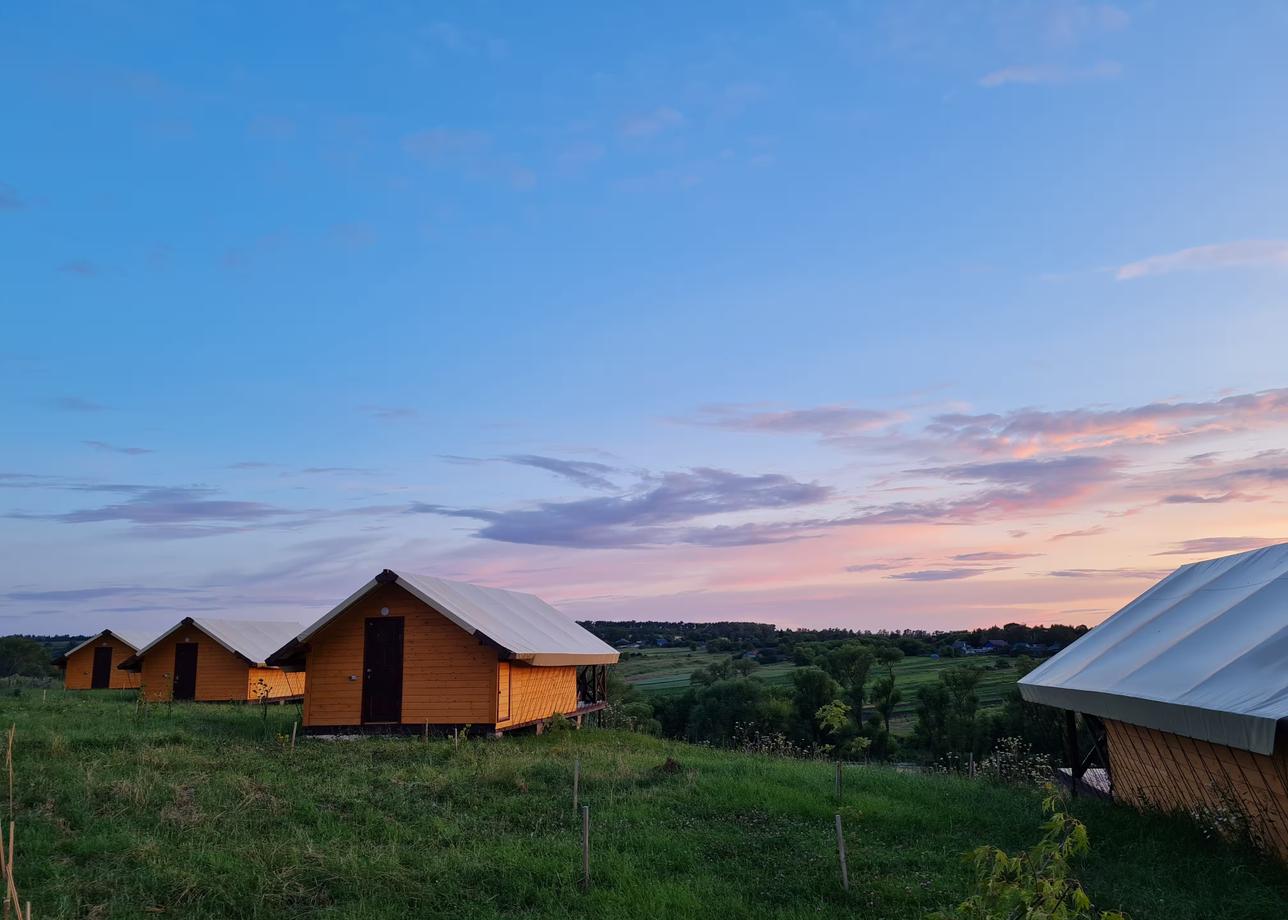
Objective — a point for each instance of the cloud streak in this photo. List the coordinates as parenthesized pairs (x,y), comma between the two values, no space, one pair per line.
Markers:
(1050,75)
(1238,254)
(648,515)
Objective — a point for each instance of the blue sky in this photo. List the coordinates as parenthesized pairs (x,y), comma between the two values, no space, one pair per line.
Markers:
(759,311)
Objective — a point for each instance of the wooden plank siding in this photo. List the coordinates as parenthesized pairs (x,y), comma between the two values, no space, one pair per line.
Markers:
(221,675)
(537,693)
(1160,770)
(273,683)
(449,676)
(80,666)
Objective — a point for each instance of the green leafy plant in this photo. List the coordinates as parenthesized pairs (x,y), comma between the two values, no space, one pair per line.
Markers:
(1034,885)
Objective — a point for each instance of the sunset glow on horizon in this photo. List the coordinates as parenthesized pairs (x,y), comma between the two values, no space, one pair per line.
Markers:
(864,316)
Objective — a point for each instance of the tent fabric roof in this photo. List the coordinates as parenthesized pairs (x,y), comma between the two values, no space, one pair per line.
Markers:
(1203,653)
(134,641)
(253,640)
(523,625)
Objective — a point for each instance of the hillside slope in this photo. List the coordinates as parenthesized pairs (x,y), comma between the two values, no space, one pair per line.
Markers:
(204,812)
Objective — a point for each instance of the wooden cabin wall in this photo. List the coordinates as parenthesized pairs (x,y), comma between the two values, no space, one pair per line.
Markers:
(540,692)
(275,682)
(1155,769)
(80,666)
(221,675)
(449,676)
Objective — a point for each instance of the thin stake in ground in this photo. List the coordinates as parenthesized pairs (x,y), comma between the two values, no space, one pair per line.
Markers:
(840,849)
(585,848)
(576,783)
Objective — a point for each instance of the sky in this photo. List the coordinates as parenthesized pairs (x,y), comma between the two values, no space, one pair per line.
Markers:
(883,316)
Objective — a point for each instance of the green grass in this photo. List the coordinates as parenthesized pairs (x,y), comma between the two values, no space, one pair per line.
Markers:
(204,812)
(667,670)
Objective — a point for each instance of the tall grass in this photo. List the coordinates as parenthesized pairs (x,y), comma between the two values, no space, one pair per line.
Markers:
(205,812)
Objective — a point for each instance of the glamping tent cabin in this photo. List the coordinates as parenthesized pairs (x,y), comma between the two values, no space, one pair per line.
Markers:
(216,661)
(406,651)
(94,664)
(1186,690)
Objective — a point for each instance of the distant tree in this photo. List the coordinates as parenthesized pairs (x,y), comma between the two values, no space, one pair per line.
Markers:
(888,656)
(719,709)
(849,664)
(885,697)
(812,689)
(24,657)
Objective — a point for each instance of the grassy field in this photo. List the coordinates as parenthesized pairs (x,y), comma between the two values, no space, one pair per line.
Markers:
(667,670)
(204,812)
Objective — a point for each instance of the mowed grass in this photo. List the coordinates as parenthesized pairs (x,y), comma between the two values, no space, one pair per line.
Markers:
(200,811)
(667,670)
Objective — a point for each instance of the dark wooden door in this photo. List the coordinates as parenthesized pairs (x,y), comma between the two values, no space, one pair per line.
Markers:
(185,671)
(382,670)
(101,677)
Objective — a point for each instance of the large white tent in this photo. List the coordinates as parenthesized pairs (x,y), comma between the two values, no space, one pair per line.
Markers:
(1203,653)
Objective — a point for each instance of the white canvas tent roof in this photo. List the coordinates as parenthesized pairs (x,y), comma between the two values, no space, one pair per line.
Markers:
(523,625)
(1203,653)
(253,640)
(132,640)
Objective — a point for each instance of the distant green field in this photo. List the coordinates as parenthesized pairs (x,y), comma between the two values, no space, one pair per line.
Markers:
(667,670)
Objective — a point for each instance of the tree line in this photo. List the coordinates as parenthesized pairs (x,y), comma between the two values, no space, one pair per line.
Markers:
(841,701)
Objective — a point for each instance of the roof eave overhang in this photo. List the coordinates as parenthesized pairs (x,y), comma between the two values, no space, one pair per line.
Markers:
(1244,731)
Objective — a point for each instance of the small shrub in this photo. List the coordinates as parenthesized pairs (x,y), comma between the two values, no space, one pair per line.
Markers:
(1013,762)
(559,724)
(1035,885)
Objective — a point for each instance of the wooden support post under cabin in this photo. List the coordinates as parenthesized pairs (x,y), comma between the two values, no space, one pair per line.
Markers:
(970,770)
(576,783)
(427,731)
(840,849)
(585,847)
(1071,750)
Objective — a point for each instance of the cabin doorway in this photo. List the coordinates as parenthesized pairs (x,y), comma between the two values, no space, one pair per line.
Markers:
(101,677)
(382,664)
(185,671)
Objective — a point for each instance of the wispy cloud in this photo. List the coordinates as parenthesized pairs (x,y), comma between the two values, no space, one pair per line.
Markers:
(651,124)
(1217,546)
(390,413)
(1075,534)
(1151,574)
(650,513)
(75,404)
(81,268)
(1051,75)
(826,421)
(10,199)
(945,574)
(992,556)
(1031,430)
(116,449)
(1239,254)
(585,473)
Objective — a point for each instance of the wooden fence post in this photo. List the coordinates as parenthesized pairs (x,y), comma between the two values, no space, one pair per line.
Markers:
(585,848)
(840,849)
(576,783)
